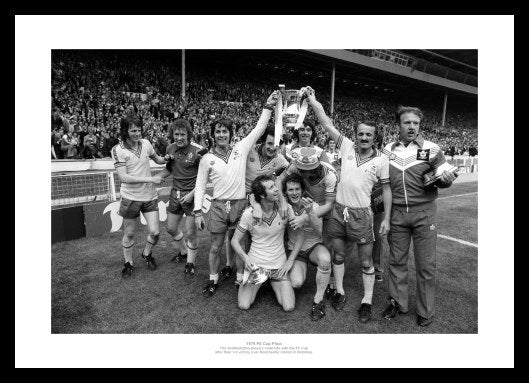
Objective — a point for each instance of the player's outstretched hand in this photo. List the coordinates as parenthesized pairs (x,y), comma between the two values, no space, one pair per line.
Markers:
(309,93)
(272,99)
(168,157)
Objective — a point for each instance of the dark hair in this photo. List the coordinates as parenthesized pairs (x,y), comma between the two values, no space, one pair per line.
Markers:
(226,122)
(258,189)
(310,123)
(368,123)
(126,122)
(407,109)
(270,131)
(295,178)
(180,123)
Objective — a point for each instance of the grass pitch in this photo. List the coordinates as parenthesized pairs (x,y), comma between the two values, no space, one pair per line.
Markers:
(89,296)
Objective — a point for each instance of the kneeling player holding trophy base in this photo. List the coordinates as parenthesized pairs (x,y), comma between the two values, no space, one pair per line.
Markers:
(225,165)
(267,255)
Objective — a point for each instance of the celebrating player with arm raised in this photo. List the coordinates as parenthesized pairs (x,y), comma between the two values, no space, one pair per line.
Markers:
(226,167)
(352,219)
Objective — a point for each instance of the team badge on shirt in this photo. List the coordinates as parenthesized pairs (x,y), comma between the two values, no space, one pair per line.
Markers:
(212,163)
(252,159)
(127,158)
(372,170)
(423,154)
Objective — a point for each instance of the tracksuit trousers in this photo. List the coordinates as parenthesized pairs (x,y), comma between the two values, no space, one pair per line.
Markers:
(420,224)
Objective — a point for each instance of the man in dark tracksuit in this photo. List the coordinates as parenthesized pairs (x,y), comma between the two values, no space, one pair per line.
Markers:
(414,214)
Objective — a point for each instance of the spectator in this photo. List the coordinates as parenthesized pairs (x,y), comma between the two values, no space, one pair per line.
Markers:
(93,89)
(67,146)
(89,145)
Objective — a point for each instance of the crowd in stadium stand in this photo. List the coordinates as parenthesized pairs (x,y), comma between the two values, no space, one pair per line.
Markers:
(91,93)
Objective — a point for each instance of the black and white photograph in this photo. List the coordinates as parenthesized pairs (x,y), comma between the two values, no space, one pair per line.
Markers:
(265,204)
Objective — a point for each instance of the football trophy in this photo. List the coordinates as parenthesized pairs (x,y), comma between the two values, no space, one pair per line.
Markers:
(256,276)
(290,111)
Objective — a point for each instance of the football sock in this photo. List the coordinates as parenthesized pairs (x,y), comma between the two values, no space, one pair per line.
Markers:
(148,246)
(240,276)
(214,278)
(128,249)
(183,248)
(179,243)
(229,254)
(191,254)
(339,271)
(368,276)
(322,280)
(332,282)
(152,240)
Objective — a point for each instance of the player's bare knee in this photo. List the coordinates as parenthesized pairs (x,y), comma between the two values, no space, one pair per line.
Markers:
(244,305)
(174,232)
(338,259)
(192,240)
(128,236)
(215,249)
(324,261)
(367,264)
(296,281)
(193,244)
(288,306)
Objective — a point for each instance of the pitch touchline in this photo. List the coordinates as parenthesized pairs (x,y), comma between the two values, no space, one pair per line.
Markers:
(458,240)
(457,195)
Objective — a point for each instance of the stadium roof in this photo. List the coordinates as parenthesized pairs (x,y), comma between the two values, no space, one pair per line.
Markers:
(463,60)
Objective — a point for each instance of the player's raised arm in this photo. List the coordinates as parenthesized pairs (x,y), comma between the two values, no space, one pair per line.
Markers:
(249,141)
(323,119)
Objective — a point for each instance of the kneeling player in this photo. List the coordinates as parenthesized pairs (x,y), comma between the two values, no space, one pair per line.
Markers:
(312,250)
(267,250)
(138,194)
